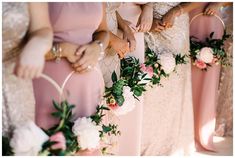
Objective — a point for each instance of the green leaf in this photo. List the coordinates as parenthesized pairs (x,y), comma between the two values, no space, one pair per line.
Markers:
(56,105)
(6,148)
(120,100)
(114,77)
(106,129)
(137,92)
(57,114)
(211,34)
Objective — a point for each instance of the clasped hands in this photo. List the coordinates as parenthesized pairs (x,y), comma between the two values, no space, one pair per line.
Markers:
(82,58)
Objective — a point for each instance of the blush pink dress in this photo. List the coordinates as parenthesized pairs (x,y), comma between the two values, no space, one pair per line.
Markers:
(205,84)
(131,124)
(74,23)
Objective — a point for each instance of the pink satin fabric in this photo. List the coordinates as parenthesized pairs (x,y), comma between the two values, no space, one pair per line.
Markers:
(205,84)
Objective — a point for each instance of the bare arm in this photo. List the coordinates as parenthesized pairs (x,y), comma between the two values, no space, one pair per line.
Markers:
(146,18)
(169,17)
(91,52)
(128,33)
(31,61)
(102,33)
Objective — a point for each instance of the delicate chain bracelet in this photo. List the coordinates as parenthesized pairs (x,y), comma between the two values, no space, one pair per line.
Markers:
(56,51)
(101,49)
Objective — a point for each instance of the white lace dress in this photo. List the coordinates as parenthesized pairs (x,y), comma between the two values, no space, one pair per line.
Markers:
(17,94)
(168,110)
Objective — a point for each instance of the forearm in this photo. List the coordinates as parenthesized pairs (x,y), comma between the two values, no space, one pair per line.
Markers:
(121,22)
(41,38)
(112,40)
(147,6)
(102,36)
(186,7)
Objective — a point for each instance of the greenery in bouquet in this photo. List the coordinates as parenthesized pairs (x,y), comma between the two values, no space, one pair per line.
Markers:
(162,64)
(211,51)
(65,138)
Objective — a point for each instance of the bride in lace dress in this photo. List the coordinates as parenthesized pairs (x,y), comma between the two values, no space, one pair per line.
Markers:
(168,110)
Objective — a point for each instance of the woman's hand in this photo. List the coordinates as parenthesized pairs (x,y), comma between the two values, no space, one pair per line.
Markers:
(121,46)
(31,61)
(211,8)
(145,19)
(128,36)
(133,28)
(29,64)
(69,52)
(90,54)
(157,26)
(169,18)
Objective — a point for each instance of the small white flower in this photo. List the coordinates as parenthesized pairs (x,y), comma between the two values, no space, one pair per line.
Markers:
(87,133)
(28,139)
(206,55)
(129,103)
(167,62)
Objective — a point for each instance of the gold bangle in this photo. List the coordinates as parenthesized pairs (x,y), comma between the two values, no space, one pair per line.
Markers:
(56,51)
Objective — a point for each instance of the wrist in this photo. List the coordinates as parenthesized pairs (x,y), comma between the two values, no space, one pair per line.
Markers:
(57,51)
(101,47)
(178,10)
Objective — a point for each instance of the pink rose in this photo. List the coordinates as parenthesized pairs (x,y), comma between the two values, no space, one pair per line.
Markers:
(113,106)
(200,64)
(147,69)
(60,139)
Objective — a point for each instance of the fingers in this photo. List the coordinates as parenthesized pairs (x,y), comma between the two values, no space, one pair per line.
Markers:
(81,49)
(144,27)
(159,28)
(209,11)
(134,28)
(132,45)
(20,71)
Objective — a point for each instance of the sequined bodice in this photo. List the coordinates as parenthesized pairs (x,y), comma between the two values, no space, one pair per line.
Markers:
(14,27)
(161,8)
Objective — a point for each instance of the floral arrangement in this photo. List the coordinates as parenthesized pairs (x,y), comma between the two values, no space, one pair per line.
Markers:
(204,54)
(120,97)
(65,138)
(134,77)
(161,65)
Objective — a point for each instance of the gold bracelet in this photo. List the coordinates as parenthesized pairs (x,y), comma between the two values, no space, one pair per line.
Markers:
(56,51)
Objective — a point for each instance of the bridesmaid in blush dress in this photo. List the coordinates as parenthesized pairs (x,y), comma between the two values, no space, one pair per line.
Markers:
(130,124)
(74,23)
(205,83)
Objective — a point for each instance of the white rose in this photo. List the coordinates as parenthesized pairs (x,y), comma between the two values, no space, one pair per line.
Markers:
(87,133)
(206,55)
(129,103)
(28,139)
(167,62)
